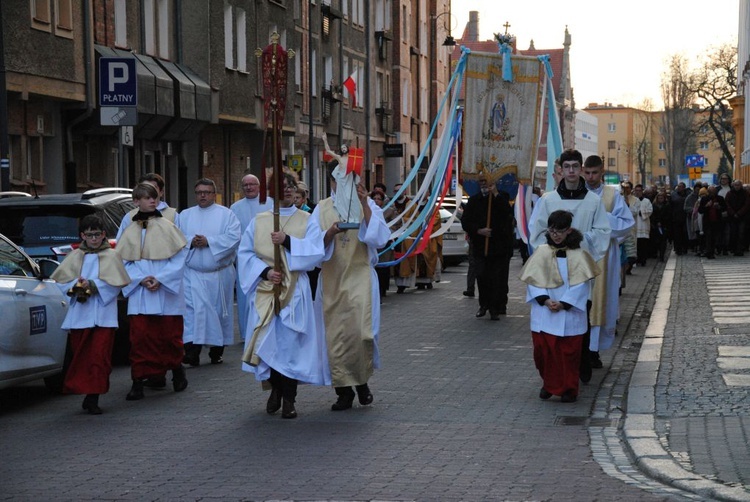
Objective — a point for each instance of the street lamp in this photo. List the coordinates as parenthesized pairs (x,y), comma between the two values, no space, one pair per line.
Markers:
(449,40)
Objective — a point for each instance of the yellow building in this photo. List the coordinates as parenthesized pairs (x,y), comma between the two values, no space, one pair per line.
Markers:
(632,145)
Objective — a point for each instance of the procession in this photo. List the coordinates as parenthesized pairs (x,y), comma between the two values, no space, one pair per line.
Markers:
(351,263)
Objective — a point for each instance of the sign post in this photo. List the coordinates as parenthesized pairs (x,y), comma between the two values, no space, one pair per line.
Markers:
(118,102)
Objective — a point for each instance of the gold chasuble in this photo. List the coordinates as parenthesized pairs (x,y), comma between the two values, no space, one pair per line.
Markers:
(294,225)
(347,304)
(598,315)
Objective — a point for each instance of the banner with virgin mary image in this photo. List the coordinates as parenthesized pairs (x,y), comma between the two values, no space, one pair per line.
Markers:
(501,121)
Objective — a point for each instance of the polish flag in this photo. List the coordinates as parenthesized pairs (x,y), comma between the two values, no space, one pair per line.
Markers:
(351,86)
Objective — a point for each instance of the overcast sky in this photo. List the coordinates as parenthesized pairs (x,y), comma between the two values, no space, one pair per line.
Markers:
(618,49)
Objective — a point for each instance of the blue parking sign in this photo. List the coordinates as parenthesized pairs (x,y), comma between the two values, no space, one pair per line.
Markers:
(118,84)
(695,160)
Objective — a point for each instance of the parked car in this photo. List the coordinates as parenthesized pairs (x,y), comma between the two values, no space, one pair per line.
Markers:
(32,309)
(455,244)
(46,226)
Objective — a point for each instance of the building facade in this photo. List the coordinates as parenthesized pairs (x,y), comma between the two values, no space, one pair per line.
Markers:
(200,110)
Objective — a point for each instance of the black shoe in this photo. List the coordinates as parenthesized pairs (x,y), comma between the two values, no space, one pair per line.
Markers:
(342,403)
(568,397)
(288,410)
(156,382)
(544,394)
(217,360)
(470,294)
(345,400)
(420,286)
(136,391)
(428,285)
(400,290)
(480,312)
(274,401)
(596,362)
(91,404)
(494,317)
(192,360)
(179,382)
(364,394)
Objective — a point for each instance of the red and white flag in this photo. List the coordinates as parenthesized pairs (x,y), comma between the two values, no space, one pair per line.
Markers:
(350,84)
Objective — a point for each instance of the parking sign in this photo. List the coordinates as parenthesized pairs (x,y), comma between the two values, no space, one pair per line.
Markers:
(118,82)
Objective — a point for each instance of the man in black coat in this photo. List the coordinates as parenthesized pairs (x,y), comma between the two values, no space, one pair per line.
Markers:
(492,246)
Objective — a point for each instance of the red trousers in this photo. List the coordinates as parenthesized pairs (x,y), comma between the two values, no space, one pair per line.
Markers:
(155,344)
(91,364)
(558,360)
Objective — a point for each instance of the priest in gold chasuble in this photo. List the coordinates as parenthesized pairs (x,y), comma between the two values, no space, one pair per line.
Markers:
(347,300)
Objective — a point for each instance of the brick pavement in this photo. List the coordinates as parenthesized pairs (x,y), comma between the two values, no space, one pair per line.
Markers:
(688,423)
(456,417)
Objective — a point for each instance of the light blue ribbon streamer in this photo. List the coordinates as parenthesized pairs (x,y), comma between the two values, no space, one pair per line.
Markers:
(506,50)
(554,135)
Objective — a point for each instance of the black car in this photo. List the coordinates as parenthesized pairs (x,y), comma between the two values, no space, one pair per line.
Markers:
(46,226)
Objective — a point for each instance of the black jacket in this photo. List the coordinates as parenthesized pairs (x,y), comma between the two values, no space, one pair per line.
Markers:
(501,222)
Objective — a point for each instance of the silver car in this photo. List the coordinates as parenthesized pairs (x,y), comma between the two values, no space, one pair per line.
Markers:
(32,309)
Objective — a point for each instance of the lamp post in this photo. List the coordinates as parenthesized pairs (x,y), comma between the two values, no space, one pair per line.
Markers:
(450,43)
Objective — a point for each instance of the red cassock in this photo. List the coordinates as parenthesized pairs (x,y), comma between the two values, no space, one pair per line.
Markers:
(558,360)
(91,363)
(155,344)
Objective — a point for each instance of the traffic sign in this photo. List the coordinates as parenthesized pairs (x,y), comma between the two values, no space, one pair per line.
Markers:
(695,160)
(118,84)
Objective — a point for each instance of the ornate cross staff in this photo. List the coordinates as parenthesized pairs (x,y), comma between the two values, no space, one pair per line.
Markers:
(274,63)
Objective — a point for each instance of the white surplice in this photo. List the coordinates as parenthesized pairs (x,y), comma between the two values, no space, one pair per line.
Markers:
(571,322)
(246,210)
(98,310)
(210,274)
(291,343)
(621,222)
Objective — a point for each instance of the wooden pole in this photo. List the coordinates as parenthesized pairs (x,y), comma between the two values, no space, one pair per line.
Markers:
(278,193)
(489,223)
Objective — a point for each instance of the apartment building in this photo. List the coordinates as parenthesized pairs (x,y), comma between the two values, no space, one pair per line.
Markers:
(200,105)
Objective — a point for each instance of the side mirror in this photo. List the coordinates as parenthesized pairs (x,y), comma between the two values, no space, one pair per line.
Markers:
(46,267)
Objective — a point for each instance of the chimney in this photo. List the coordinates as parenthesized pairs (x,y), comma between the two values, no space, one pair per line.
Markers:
(471,32)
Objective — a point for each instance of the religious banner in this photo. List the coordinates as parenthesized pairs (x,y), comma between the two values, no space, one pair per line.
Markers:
(501,121)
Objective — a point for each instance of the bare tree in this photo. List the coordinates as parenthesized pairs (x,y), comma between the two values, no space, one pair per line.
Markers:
(713,84)
(678,127)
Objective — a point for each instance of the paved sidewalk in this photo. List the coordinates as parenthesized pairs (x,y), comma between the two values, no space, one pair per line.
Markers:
(688,405)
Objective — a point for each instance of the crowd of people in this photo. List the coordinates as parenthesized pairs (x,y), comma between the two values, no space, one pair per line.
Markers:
(309,293)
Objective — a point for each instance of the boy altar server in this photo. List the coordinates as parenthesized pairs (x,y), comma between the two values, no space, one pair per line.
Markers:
(92,276)
(558,277)
(153,250)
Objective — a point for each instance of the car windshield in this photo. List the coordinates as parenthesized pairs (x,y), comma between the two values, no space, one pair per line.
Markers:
(12,262)
(41,226)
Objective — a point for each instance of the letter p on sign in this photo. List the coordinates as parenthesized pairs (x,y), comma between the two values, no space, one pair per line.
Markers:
(118,74)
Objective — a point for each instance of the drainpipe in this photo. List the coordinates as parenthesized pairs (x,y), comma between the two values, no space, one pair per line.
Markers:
(4,141)
(71,178)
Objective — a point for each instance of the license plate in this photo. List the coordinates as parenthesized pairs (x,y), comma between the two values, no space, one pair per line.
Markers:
(450,237)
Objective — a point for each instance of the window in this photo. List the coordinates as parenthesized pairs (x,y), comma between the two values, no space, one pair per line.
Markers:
(64,18)
(298,74)
(611,145)
(611,162)
(662,162)
(228,37)
(121,24)
(704,145)
(405,93)
(358,12)
(611,127)
(156,27)
(662,146)
(40,15)
(241,40)
(345,8)
(328,71)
